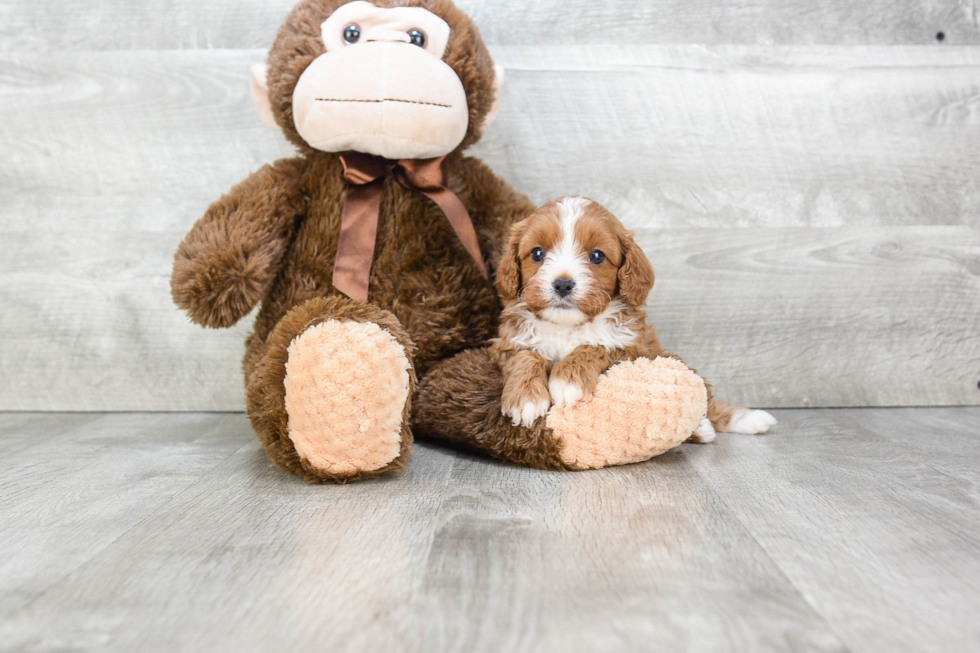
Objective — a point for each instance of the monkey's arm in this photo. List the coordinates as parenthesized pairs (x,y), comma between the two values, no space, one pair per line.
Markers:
(225,265)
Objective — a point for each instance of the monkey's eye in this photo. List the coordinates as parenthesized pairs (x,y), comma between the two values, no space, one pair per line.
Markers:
(597,257)
(417,37)
(352,33)
(537,254)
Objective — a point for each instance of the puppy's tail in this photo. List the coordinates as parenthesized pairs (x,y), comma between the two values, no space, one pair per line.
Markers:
(734,419)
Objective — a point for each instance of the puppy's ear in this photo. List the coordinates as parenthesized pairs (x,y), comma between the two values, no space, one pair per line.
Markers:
(509,271)
(636,274)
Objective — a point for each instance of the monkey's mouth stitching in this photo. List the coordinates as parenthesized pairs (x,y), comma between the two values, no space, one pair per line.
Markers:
(388,99)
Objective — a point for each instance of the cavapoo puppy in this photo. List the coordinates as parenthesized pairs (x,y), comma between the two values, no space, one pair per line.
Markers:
(573,281)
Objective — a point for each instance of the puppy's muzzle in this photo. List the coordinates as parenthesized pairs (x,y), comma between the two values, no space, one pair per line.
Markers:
(563,287)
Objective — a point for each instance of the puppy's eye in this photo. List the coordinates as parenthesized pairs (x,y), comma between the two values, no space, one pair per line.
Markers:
(417,37)
(537,254)
(597,257)
(352,33)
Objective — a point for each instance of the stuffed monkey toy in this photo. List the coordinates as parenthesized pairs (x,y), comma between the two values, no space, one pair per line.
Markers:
(372,254)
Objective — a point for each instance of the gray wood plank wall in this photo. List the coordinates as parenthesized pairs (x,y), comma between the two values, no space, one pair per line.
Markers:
(804,178)
(125,24)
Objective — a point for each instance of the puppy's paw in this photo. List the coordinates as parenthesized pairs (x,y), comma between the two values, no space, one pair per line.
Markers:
(750,422)
(531,412)
(573,380)
(565,394)
(525,406)
(704,433)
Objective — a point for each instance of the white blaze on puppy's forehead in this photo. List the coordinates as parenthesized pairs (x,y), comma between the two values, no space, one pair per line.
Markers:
(567,259)
(570,209)
(385,24)
(569,250)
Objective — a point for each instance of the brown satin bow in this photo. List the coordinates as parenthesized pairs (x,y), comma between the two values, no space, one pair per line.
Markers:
(365,175)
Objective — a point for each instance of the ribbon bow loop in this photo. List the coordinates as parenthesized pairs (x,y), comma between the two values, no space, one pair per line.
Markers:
(365,175)
(360,169)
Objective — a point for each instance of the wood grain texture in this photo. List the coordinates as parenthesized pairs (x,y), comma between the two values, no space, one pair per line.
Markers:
(931,435)
(456,554)
(666,136)
(779,317)
(722,137)
(71,484)
(123,24)
(835,532)
(868,525)
(818,317)
(111,156)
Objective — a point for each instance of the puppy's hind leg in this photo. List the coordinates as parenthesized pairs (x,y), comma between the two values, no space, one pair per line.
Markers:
(733,419)
(704,433)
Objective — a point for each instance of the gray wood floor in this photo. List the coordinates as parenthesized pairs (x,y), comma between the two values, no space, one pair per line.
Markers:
(845,529)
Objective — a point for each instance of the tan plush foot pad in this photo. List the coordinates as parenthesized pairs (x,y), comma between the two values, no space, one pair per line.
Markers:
(346,388)
(639,409)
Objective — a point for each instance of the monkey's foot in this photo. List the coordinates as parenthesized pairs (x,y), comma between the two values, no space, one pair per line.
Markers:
(639,409)
(347,390)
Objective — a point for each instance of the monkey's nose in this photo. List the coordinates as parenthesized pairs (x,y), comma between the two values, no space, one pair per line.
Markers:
(563,287)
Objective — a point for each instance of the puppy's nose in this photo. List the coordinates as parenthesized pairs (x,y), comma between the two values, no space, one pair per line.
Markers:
(563,287)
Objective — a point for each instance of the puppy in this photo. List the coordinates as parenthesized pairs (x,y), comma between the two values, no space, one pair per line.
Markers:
(573,281)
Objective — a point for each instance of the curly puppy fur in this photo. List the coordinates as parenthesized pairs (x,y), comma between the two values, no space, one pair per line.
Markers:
(568,317)
(500,399)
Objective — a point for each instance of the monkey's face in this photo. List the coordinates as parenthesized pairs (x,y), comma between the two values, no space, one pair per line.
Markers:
(382,87)
(380,83)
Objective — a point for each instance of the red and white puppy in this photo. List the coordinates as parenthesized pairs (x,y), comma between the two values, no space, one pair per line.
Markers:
(573,281)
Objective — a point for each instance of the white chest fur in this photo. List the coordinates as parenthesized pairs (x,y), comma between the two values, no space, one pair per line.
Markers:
(556,341)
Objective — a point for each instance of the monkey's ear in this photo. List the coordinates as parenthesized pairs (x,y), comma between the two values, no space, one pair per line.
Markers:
(498,87)
(260,95)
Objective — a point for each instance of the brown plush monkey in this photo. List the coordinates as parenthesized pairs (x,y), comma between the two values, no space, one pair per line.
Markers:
(372,253)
